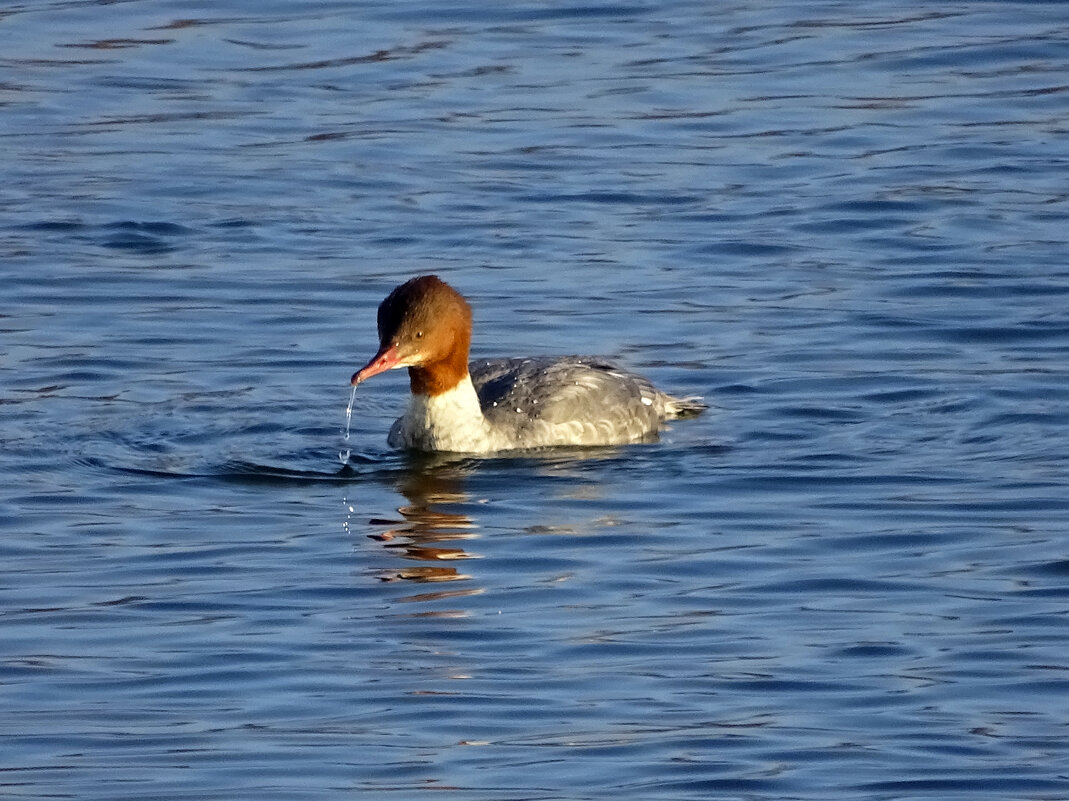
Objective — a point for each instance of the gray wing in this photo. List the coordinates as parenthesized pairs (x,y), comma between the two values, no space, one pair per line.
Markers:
(556,391)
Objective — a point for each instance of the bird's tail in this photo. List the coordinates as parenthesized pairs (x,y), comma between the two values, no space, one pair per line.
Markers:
(685,407)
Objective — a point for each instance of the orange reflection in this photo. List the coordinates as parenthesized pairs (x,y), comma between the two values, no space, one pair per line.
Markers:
(428,533)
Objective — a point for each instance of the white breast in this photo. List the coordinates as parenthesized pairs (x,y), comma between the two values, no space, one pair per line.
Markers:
(451,421)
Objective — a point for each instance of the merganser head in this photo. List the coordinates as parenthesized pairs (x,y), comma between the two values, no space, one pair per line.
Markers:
(424,325)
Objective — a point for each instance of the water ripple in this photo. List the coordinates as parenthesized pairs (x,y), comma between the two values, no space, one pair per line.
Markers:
(843,225)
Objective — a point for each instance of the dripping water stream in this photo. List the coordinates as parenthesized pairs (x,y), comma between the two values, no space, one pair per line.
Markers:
(344,454)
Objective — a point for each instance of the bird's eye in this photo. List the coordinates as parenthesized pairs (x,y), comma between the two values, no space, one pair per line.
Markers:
(419,335)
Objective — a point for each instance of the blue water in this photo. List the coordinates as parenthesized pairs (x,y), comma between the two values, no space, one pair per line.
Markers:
(843,224)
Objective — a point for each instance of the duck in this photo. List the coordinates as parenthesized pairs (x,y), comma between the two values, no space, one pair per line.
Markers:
(502,405)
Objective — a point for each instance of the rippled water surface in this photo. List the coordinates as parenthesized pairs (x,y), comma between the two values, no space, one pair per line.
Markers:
(843,224)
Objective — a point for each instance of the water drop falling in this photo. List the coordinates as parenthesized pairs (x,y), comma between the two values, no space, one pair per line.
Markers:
(349,413)
(348,515)
(344,455)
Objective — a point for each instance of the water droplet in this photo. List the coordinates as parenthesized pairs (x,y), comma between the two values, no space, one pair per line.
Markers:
(349,413)
(344,455)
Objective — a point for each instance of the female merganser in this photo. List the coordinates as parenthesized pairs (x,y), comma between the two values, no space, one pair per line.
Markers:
(502,404)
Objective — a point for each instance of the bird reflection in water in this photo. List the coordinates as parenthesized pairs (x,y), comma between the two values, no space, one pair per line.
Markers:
(428,534)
